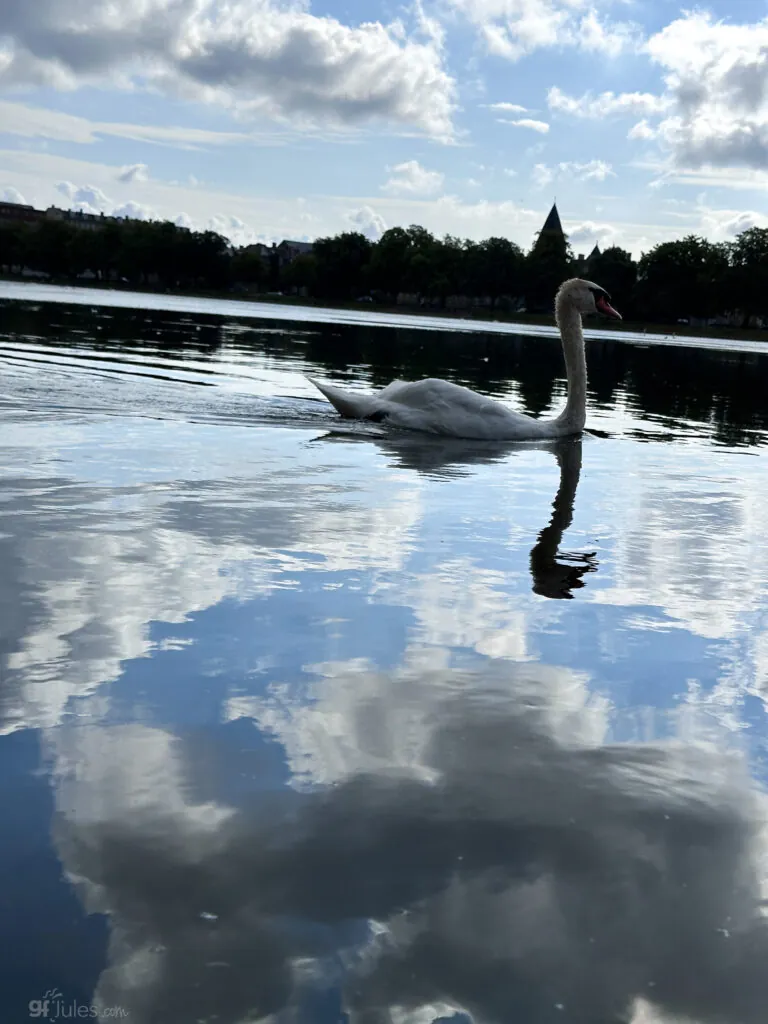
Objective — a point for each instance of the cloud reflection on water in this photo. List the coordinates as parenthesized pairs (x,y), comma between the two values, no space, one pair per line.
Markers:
(518,867)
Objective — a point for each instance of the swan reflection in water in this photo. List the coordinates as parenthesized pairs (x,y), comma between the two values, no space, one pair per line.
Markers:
(554,573)
(484,850)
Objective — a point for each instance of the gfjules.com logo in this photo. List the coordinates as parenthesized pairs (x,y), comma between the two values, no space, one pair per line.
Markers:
(53,1006)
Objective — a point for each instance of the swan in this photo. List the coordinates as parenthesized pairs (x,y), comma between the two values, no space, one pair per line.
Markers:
(441,407)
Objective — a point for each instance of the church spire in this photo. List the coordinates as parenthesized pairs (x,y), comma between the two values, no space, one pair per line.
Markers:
(552,227)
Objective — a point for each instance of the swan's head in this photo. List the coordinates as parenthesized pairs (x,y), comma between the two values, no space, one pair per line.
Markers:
(587,297)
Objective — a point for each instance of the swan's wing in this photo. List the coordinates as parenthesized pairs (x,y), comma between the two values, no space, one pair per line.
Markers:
(440,407)
(439,396)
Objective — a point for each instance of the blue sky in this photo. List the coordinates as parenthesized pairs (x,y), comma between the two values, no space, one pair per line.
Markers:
(267,119)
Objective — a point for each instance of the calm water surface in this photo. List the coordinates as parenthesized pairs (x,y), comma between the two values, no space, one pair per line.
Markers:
(303,722)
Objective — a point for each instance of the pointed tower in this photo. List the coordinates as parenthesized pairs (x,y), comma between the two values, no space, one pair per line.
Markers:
(552,229)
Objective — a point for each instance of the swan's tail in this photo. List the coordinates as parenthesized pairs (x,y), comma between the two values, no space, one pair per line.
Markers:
(348,405)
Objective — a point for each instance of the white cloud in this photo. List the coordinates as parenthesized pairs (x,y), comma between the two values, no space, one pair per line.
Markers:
(606,104)
(255,57)
(510,172)
(12,195)
(739,178)
(714,105)
(232,227)
(527,122)
(84,196)
(595,37)
(410,178)
(641,130)
(588,232)
(717,77)
(507,108)
(91,199)
(541,175)
(596,170)
(134,211)
(184,221)
(366,220)
(36,122)
(725,225)
(592,170)
(133,172)
(67,189)
(514,28)
(222,222)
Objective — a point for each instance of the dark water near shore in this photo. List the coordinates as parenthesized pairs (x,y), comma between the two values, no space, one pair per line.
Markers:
(307,722)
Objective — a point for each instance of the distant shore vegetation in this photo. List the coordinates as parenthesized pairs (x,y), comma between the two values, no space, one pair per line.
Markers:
(691,280)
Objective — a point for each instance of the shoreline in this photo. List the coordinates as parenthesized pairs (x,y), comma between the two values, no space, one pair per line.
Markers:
(476,316)
(533,319)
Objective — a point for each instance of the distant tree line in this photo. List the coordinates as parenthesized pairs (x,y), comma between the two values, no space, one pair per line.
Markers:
(138,252)
(689,277)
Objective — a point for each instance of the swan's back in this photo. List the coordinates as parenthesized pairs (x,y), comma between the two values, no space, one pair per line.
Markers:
(441,407)
(435,395)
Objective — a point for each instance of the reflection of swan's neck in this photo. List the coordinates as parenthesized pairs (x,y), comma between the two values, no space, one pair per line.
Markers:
(553,578)
(569,321)
(569,461)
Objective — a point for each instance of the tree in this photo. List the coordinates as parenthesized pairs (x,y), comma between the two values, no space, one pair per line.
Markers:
(748,281)
(390,261)
(496,269)
(14,246)
(423,255)
(683,278)
(546,267)
(213,255)
(616,271)
(249,267)
(406,260)
(341,262)
(50,248)
(445,262)
(301,273)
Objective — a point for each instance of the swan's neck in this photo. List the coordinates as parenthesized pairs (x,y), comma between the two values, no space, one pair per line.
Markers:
(569,321)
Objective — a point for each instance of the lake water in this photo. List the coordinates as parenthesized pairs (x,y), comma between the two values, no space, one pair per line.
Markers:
(308,722)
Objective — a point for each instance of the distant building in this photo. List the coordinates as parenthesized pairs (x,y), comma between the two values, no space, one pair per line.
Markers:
(583,264)
(79,219)
(260,249)
(552,229)
(21,213)
(287,251)
(18,213)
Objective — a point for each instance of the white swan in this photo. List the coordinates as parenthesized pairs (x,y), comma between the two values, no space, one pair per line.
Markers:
(440,407)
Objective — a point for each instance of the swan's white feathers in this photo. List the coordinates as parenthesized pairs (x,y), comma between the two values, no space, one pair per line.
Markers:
(440,407)
(436,406)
